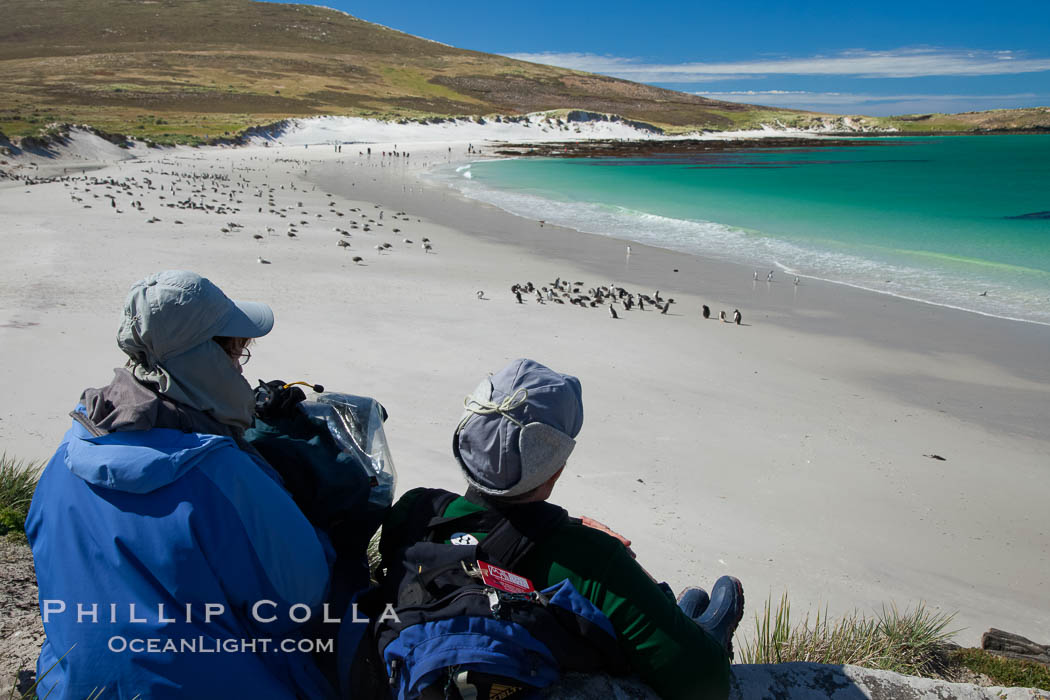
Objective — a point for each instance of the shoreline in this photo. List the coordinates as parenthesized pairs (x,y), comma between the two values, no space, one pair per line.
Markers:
(446,205)
(792,451)
(783,269)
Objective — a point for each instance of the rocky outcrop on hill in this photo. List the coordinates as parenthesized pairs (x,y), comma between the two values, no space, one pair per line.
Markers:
(578,115)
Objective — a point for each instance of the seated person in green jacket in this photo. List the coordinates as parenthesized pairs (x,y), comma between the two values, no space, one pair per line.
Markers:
(512,444)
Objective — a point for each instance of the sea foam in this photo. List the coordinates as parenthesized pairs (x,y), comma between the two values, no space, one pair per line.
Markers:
(915,275)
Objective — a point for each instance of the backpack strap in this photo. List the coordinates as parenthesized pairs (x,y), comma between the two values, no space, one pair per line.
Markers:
(428,505)
(505,545)
(512,528)
(517,528)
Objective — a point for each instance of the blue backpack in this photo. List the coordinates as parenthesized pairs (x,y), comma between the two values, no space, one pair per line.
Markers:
(459,634)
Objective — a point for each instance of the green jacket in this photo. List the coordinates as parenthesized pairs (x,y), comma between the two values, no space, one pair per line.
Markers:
(666,649)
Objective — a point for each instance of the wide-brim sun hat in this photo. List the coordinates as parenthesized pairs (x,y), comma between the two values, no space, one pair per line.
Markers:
(171,312)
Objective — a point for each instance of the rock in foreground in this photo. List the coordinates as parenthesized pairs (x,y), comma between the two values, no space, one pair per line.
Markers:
(801,681)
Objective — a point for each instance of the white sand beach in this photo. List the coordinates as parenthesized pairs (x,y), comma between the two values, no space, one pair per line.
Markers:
(793,451)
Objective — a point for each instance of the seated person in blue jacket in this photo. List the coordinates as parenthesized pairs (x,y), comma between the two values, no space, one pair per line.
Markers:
(171,561)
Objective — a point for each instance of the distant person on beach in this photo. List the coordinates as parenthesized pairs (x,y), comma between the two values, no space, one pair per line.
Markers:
(512,445)
(161,537)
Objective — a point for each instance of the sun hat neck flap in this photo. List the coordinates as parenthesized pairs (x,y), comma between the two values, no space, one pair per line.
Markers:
(518,428)
(169,321)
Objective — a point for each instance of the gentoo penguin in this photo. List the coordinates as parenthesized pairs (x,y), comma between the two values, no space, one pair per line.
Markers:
(722,316)
(666,307)
(612,312)
(707,310)
(736,316)
(769,277)
(261,261)
(517,295)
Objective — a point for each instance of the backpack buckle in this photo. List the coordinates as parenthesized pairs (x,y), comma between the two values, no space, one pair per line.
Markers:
(471,570)
(495,602)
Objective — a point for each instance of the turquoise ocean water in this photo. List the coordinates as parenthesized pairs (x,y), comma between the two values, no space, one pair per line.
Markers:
(937,219)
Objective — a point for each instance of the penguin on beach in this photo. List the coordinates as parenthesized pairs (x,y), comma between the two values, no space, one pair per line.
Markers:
(722,316)
(707,310)
(736,316)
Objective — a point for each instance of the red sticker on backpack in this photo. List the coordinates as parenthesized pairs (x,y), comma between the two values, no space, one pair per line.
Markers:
(506,581)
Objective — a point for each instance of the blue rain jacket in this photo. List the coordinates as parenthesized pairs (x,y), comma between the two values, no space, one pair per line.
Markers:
(137,536)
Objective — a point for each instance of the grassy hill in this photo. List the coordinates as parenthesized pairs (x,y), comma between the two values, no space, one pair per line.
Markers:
(184,70)
(173,69)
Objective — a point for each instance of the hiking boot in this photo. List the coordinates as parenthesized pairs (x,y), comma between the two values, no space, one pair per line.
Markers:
(724,612)
(694,601)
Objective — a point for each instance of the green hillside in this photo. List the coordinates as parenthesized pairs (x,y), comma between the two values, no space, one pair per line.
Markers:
(174,68)
(185,70)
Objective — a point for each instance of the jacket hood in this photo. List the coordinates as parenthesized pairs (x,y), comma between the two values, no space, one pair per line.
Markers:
(137,461)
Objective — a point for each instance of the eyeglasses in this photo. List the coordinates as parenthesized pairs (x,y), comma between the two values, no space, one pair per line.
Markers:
(243,357)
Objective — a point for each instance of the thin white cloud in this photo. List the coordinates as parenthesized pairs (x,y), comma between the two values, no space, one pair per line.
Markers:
(900,63)
(876,105)
(783,97)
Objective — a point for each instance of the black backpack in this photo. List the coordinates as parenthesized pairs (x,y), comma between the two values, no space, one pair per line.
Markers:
(459,634)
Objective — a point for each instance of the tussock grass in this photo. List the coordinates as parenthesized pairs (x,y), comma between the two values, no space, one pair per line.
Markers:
(908,642)
(17,483)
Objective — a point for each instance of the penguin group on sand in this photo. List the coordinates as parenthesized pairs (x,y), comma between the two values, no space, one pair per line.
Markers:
(615,298)
(564,292)
(200,191)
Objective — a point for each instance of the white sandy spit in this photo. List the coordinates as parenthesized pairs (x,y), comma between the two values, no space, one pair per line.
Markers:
(794,451)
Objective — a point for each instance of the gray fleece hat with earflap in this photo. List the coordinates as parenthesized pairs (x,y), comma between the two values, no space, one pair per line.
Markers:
(518,428)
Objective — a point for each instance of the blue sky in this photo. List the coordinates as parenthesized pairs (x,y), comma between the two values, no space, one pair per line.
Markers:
(841,57)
